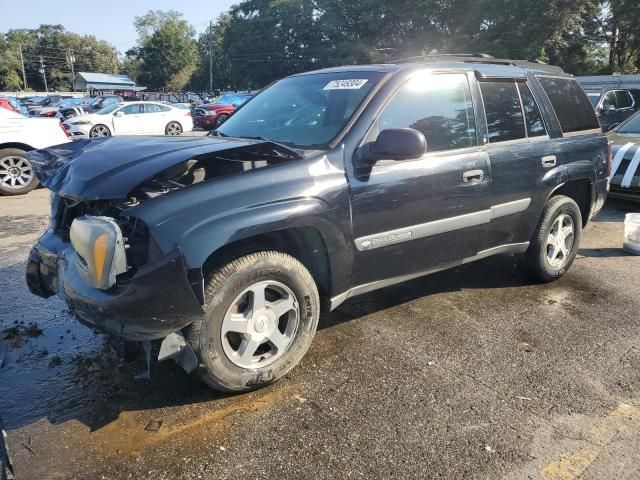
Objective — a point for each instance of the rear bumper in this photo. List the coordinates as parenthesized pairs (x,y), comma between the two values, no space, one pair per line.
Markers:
(156,301)
(601,190)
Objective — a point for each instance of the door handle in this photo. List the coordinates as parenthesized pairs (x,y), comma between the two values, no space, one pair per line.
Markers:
(549,161)
(473,176)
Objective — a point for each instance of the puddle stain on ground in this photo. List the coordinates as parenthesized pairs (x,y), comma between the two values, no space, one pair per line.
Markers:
(571,464)
(128,436)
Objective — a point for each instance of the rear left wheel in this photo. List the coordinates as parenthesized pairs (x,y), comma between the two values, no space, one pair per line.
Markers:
(260,319)
(16,173)
(556,240)
(173,129)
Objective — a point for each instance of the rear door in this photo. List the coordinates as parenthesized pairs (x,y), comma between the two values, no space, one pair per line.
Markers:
(521,153)
(154,119)
(625,104)
(412,216)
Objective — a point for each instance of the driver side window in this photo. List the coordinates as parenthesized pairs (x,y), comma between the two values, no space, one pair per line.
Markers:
(131,109)
(439,106)
(609,99)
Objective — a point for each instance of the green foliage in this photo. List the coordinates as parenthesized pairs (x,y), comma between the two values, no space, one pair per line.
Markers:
(52,43)
(259,41)
(167,54)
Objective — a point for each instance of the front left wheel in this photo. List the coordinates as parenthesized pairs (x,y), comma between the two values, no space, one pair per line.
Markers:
(262,313)
(98,131)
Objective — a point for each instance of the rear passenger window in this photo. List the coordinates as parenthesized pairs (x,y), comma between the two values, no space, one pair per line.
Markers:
(572,107)
(503,110)
(532,115)
(439,106)
(623,99)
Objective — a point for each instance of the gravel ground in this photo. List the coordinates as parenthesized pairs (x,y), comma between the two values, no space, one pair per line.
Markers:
(470,373)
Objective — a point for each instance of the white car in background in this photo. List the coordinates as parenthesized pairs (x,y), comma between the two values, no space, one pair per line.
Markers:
(131,118)
(18,135)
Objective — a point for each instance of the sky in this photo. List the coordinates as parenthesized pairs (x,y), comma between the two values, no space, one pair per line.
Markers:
(111,21)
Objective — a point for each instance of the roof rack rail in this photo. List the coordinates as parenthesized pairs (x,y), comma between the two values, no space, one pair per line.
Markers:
(481,58)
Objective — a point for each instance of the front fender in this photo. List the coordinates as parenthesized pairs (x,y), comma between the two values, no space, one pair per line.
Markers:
(200,241)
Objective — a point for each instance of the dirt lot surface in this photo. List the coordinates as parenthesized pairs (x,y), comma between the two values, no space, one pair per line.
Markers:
(471,373)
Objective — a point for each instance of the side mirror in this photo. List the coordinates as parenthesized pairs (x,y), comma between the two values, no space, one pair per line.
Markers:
(608,108)
(119,114)
(395,144)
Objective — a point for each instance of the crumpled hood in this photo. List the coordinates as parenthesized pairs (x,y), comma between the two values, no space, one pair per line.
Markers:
(110,168)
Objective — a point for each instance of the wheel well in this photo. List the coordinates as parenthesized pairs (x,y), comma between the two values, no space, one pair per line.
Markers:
(303,243)
(580,192)
(21,146)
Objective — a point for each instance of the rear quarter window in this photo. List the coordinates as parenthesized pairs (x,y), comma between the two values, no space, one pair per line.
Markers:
(571,105)
(623,99)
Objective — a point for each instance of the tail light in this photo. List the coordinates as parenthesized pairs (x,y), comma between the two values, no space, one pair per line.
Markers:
(609,157)
(49,114)
(187,113)
(63,129)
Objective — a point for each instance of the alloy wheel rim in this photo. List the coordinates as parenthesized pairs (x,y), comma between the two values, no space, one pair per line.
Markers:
(173,129)
(260,325)
(100,131)
(15,172)
(560,241)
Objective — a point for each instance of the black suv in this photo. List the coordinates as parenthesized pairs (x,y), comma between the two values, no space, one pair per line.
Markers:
(326,185)
(613,105)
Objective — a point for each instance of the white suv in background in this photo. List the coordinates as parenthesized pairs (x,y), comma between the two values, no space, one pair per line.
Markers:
(18,135)
(131,118)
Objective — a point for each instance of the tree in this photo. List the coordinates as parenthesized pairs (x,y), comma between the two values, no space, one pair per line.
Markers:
(167,54)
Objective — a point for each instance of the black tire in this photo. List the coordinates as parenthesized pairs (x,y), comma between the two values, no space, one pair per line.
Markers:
(537,256)
(16,158)
(99,131)
(220,119)
(173,129)
(223,287)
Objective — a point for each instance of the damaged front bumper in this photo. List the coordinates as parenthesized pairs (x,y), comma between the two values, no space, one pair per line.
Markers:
(155,302)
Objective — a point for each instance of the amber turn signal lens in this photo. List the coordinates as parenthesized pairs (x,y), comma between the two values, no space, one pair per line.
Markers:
(100,254)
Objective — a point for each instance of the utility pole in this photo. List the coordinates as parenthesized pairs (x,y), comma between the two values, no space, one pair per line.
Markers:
(71,60)
(24,75)
(44,75)
(210,56)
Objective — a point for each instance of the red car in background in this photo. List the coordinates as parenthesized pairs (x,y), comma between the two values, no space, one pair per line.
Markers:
(9,104)
(212,115)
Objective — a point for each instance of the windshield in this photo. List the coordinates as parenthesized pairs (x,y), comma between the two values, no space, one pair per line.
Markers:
(631,126)
(594,97)
(70,102)
(109,109)
(307,111)
(229,99)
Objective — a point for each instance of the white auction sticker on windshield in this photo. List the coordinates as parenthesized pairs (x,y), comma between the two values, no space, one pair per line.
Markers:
(347,84)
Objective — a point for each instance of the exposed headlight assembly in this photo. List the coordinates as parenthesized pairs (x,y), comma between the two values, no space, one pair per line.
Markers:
(100,250)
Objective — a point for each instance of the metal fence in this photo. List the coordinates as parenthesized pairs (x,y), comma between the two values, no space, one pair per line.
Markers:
(42,94)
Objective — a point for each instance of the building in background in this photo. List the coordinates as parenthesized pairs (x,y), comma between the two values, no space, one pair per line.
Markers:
(104,82)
